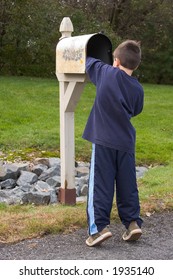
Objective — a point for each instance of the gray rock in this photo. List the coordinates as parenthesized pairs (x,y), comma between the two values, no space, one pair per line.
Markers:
(82,171)
(84,190)
(54,181)
(53,196)
(3,173)
(140,171)
(83,164)
(3,196)
(22,166)
(45,187)
(11,171)
(53,171)
(81,181)
(36,198)
(41,186)
(17,191)
(39,169)
(54,162)
(8,184)
(44,161)
(27,177)
(26,187)
(81,199)
(13,196)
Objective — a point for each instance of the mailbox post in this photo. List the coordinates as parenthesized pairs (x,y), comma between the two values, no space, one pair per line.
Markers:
(70,71)
(71,86)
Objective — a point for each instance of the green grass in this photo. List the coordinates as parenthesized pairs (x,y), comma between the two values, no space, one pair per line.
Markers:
(155,127)
(29,127)
(29,114)
(29,110)
(156,188)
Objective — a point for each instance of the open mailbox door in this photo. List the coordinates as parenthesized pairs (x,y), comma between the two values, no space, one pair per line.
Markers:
(71,52)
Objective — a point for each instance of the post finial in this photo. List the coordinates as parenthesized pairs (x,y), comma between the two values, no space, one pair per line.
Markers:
(66,27)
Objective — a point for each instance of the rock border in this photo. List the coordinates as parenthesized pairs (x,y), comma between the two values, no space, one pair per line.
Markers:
(38,182)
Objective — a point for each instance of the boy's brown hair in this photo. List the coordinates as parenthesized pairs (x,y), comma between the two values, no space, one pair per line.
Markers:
(129,54)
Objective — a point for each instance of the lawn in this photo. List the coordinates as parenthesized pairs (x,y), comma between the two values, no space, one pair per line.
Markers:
(29,114)
(29,127)
(29,109)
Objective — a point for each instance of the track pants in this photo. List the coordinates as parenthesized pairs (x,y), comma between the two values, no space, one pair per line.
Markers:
(110,166)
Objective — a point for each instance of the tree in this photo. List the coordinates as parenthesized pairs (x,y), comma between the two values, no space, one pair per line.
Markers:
(151,23)
(29,32)
(27,37)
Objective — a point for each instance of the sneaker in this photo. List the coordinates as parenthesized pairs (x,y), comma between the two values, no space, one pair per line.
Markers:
(98,238)
(133,232)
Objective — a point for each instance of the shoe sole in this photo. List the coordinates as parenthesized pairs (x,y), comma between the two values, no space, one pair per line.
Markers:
(99,240)
(133,236)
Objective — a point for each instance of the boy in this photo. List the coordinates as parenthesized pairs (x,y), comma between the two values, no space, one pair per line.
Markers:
(119,96)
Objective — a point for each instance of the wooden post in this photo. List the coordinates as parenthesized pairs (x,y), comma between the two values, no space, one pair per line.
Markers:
(71,87)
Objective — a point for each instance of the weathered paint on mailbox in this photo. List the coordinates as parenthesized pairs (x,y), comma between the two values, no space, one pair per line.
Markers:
(71,52)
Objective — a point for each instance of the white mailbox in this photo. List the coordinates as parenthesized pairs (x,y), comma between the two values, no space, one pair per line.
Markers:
(71,52)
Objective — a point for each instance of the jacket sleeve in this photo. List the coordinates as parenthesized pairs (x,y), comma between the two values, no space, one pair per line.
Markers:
(140,104)
(94,69)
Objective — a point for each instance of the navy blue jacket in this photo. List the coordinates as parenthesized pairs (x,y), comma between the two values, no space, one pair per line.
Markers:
(118,98)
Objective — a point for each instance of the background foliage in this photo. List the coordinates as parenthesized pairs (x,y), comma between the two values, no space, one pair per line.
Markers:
(29,32)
